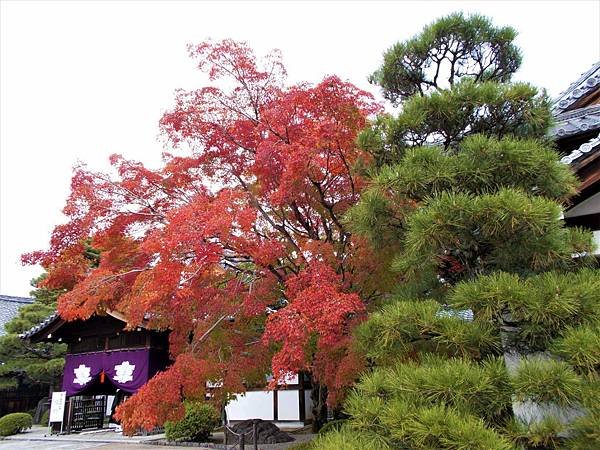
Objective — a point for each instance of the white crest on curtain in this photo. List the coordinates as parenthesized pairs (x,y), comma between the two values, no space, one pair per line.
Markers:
(124,372)
(82,375)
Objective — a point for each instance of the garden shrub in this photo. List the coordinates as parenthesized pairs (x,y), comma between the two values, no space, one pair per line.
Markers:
(15,423)
(348,439)
(332,425)
(197,424)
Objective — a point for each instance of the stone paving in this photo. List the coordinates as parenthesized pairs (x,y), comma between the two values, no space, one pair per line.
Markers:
(58,445)
(38,439)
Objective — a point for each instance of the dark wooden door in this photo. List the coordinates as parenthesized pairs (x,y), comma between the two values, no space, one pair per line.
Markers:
(87,413)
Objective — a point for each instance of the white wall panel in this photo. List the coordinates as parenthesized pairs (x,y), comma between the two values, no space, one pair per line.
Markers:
(288,405)
(251,405)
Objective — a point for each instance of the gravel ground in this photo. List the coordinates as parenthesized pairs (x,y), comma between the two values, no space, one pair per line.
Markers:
(300,437)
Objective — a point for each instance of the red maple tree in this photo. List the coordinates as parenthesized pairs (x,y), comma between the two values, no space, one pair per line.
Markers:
(237,243)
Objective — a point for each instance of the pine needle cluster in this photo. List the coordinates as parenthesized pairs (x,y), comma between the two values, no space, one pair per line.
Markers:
(492,338)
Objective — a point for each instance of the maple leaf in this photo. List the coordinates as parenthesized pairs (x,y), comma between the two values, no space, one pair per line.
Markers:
(237,245)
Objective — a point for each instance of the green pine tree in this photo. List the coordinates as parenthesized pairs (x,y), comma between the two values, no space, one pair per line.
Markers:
(24,363)
(492,338)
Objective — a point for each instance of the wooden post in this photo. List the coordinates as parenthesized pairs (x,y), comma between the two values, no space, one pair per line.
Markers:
(254,435)
(242,441)
(70,416)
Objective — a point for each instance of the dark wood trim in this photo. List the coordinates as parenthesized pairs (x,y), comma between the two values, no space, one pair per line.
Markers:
(301,401)
(42,334)
(275,405)
(587,100)
(302,406)
(585,161)
(588,181)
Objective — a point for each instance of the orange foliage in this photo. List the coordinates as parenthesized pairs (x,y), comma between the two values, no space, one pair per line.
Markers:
(243,224)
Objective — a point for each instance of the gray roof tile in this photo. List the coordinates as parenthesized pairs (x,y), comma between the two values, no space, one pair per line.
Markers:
(575,122)
(47,321)
(590,146)
(585,83)
(9,308)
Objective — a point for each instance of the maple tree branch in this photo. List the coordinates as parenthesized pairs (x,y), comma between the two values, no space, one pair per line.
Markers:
(142,201)
(268,218)
(304,221)
(212,327)
(286,222)
(328,206)
(118,275)
(347,166)
(275,272)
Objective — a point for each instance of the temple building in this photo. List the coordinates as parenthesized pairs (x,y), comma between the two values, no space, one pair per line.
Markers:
(577,135)
(105,363)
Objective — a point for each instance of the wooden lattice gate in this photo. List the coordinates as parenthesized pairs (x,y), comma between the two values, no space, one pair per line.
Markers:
(87,413)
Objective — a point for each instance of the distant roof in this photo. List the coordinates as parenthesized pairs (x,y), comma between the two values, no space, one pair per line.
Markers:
(9,308)
(585,83)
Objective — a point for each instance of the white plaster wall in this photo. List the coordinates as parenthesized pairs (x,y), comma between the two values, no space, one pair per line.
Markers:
(529,412)
(251,405)
(288,405)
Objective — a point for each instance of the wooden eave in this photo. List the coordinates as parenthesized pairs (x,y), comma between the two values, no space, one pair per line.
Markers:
(44,333)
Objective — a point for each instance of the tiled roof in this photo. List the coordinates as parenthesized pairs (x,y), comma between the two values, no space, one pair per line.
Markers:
(575,122)
(9,308)
(592,145)
(580,121)
(47,321)
(54,317)
(586,82)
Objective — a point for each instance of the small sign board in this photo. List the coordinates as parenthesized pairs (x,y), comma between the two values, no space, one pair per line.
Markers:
(57,406)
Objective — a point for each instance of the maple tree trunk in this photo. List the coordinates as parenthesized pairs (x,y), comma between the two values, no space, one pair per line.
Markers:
(319,406)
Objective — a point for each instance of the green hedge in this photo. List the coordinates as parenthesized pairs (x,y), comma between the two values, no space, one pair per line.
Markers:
(198,423)
(15,423)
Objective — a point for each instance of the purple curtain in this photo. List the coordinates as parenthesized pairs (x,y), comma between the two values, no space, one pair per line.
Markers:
(80,371)
(126,369)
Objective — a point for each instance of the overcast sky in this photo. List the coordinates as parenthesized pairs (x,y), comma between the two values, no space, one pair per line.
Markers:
(82,80)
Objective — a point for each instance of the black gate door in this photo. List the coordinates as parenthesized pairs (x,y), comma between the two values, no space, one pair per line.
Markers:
(87,413)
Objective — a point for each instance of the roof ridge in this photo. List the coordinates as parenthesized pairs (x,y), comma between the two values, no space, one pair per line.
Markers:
(12,298)
(587,81)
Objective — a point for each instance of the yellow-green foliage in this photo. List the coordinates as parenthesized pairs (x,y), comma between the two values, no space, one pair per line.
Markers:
(197,424)
(402,328)
(496,302)
(15,423)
